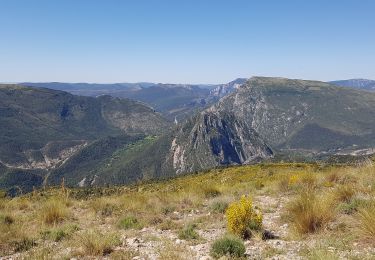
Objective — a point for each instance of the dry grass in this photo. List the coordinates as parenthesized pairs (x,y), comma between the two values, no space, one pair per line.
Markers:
(103,207)
(320,196)
(95,243)
(171,251)
(53,212)
(310,213)
(344,193)
(366,222)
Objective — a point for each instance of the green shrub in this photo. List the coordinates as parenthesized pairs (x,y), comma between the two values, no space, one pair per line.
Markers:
(129,222)
(54,235)
(219,206)
(58,234)
(228,245)
(167,210)
(242,218)
(188,233)
(351,206)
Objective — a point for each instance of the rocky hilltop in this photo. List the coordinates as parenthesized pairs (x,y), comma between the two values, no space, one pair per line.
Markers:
(279,115)
(305,115)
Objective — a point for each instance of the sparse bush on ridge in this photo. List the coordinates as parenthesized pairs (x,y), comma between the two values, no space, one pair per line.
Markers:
(242,217)
(228,245)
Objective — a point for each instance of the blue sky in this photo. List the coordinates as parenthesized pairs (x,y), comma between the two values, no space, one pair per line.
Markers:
(196,41)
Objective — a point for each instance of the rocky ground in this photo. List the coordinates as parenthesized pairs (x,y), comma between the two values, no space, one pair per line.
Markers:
(165,209)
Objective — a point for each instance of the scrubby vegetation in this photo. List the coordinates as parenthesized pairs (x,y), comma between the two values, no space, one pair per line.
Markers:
(188,232)
(129,222)
(230,246)
(231,212)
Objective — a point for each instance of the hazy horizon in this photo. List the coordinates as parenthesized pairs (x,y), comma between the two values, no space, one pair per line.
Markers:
(195,42)
(182,83)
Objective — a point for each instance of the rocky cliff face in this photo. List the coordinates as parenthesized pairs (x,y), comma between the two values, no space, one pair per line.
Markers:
(222,90)
(214,138)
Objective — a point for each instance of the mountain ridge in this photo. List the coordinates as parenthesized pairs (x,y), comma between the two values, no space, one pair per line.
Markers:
(364,84)
(262,119)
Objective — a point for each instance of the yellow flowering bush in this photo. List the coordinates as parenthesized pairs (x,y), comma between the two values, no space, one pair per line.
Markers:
(242,217)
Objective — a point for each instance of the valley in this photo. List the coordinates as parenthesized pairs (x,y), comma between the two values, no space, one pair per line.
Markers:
(99,141)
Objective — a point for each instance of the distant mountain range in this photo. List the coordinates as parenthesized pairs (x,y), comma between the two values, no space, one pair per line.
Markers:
(47,135)
(172,100)
(364,84)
